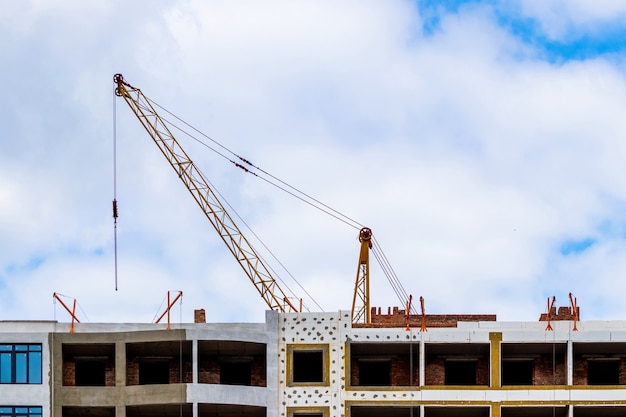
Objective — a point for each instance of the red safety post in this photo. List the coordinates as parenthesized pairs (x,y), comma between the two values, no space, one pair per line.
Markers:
(169,307)
(550,304)
(72,312)
(574,310)
(423,328)
(407,313)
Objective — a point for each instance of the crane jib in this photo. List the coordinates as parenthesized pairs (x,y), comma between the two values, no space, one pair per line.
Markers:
(195,182)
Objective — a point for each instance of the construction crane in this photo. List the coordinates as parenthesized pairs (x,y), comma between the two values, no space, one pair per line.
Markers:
(361,301)
(205,196)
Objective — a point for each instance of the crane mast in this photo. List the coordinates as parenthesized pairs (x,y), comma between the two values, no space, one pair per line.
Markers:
(361,301)
(207,199)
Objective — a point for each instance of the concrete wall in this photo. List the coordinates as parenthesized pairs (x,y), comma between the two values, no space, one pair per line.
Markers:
(39,394)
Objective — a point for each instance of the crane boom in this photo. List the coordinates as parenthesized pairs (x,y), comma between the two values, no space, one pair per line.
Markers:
(207,199)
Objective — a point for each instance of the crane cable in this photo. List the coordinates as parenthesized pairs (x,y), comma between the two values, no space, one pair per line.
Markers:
(115,211)
(295,192)
(232,209)
(302,196)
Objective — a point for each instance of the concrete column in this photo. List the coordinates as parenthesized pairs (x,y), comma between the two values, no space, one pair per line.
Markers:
(120,364)
(120,377)
(569,362)
(194,360)
(422,359)
(496,339)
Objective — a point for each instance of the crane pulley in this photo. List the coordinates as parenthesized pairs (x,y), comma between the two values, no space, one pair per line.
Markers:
(205,196)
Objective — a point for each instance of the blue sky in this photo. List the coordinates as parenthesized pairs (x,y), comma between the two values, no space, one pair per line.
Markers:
(482,141)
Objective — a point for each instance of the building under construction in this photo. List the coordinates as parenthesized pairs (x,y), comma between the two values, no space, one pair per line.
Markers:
(358,363)
(317,364)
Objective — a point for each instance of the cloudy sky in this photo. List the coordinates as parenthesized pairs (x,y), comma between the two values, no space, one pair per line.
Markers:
(483,142)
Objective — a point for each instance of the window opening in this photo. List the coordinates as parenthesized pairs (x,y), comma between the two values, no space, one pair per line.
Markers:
(517,372)
(308,412)
(154,372)
(460,372)
(387,411)
(235,372)
(375,372)
(90,372)
(308,366)
(603,372)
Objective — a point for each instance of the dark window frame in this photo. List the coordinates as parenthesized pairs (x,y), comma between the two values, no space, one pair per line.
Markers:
(16,356)
(21,411)
(314,348)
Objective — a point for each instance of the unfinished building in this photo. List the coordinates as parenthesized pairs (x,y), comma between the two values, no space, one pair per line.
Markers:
(317,364)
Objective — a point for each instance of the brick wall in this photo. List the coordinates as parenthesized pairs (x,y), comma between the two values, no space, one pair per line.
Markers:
(258,371)
(581,369)
(397,318)
(400,372)
(564,313)
(109,373)
(482,371)
(175,371)
(132,372)
(69,372)
(545,373)
(435,372)
(209,371)
(199,316)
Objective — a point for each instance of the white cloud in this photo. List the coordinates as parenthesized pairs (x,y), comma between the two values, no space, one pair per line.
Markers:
(560,19)
(470,158)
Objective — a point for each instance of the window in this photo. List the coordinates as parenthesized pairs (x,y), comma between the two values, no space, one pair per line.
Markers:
(234,372)
(307,364)
(461,372)
(517,372)
(155,371)
(20,411)
(603,372)
(90,372)
(375,372)
(20,364)
(308,412)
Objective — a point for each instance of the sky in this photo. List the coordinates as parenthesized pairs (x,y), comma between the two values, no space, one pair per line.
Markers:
(483,142)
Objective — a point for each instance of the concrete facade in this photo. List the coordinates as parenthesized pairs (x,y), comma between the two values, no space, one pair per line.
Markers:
(320,364)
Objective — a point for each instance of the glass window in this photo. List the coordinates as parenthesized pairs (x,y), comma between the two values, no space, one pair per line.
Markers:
(5,369)
(20,411)
(20,364)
